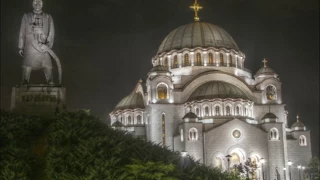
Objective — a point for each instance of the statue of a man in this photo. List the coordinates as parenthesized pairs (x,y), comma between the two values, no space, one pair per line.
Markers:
(35,42)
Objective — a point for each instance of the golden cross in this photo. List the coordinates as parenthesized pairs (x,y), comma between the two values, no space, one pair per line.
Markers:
(196,7)
(264,62)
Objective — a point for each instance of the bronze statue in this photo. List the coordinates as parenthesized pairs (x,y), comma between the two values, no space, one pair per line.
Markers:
(35,43)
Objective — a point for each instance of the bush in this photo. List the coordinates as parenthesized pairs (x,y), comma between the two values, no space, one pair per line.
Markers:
(79,146)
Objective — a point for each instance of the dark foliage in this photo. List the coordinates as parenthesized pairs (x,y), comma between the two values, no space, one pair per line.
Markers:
(78,146)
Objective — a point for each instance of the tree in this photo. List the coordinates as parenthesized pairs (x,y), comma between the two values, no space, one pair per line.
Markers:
(313,168)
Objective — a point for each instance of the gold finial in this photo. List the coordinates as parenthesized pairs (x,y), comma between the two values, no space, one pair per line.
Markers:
(196,7)
(264,62)
(297,118)
(140,81)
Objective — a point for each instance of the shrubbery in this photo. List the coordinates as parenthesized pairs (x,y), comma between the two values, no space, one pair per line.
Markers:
(79,146)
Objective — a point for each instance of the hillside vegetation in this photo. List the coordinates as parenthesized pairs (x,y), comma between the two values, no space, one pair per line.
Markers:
(77,146)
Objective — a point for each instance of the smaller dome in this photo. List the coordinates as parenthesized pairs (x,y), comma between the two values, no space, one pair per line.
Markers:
(298,126)
(190,115)
(132,101)
(265,71)
(117,124)
(160,68)
(217,89)
(270,116)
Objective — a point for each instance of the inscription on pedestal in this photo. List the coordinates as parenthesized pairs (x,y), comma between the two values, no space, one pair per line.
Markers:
(38,99)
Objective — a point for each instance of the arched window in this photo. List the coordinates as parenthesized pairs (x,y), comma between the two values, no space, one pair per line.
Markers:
(235,159)
(218,163)
(246,111)
(302,140)
(129,120)
(228,111)
(221,59)
(210,59)
(193,134)
(274,134)
(181,134)
(165,62)
(238,110)
(217,111)
(175,61)
(197,111)
(120,118)
(162,91)
(186,60)
(230,59)
(138,119)
(198,59)
(163,131)
(206,111)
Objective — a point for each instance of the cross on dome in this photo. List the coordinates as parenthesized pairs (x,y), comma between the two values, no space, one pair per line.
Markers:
(264,62)
(196,7)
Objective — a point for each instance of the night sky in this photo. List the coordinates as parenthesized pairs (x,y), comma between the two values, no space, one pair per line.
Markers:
(106,46)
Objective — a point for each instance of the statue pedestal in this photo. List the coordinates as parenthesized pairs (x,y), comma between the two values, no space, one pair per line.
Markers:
(38,99)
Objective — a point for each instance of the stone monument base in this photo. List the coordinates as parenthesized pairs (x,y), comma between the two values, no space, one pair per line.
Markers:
(38,99)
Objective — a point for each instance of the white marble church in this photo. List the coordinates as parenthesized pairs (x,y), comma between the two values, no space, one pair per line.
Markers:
(200,98)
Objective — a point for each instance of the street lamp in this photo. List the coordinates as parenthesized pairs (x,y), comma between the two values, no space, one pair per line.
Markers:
(299,167)
(184,154)
(262,163)
(228,158)
(284,172)
(290,164)
(303,172)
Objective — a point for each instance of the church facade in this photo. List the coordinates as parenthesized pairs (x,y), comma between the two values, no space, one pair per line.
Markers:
(200,98)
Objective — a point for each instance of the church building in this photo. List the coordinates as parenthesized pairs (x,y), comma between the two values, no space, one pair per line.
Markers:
(200,99)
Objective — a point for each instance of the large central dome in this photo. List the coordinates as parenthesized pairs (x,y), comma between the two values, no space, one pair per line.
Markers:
(197,34)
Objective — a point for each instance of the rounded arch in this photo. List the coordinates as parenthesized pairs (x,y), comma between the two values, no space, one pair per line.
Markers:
(129,120)
(198,60)
(208,76)
(219,161)
(238,110)
(228,109)
(139,119)
(197,110)
(193,134)
(217,109)
(274,134)
(162,90)
(206,110)
(302,140)
(246,111)
(186,59)
(240,151)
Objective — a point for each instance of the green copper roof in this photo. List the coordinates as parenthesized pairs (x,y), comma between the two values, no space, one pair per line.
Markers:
(159,68)
(190,115)
(133,101)
(265,70)
(117,124)
(298,125)
(197,34)
(270,116)
(217,89)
